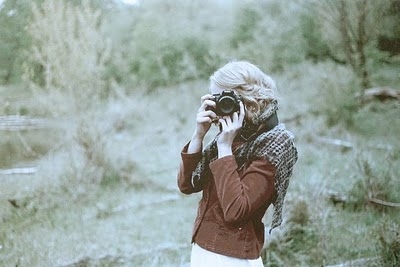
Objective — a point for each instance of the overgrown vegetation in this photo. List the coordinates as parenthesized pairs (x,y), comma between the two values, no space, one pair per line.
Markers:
(118,86)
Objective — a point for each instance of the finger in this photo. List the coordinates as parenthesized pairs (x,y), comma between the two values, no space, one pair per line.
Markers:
(203,119)
(205,97)
(207,113)
(235,117)
(207,103)
(228,120)
(242,112)
(223,124)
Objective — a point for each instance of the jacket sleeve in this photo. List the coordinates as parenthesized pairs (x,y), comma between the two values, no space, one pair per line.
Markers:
(187,166)
(241,196)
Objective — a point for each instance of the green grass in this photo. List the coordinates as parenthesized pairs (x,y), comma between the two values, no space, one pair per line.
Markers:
(135,215)
(106,225)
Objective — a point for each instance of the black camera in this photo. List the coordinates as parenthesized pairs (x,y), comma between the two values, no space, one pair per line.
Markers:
(226,103)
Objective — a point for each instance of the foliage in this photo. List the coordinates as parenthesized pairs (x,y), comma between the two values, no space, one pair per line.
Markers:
(376,180)
(71,63)
(265,41)
(350,28)
(14,41)
(170,48)
(335,99)
(246,24)
(298,234)
(387,233)
(316,47)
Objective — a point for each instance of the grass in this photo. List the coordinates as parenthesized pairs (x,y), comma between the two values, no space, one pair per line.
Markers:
(136,217)
(106,225)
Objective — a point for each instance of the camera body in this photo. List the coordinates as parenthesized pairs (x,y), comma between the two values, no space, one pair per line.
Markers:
(226,103)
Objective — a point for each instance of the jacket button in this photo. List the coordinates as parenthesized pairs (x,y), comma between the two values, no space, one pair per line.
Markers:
(240,228)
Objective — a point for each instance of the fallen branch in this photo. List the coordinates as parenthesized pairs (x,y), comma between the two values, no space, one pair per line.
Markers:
(337,198)
(18,123)
(379,93)
(335,142)
(349,145)
(384,203)
(26,170)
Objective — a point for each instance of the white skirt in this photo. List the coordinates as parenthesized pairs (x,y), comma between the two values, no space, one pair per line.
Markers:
(204,258)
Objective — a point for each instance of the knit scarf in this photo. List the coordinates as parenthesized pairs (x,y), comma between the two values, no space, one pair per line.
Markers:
(275,145)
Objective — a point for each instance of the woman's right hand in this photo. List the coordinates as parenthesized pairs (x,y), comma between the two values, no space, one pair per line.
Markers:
(205,116)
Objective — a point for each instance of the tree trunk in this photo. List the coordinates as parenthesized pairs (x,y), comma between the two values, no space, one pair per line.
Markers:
(361,43)
(355,40)
(344,31)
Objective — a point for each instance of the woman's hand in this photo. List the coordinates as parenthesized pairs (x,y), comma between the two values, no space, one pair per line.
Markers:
(205,117)
(230,128)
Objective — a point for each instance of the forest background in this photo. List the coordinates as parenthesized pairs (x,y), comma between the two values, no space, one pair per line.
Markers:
(98,97)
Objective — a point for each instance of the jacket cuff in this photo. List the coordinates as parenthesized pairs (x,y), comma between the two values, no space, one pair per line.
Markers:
(190,156)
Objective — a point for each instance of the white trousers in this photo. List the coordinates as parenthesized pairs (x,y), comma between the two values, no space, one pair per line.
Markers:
(204,258)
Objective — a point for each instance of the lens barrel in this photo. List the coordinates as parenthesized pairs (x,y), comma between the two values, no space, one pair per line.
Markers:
(226,103)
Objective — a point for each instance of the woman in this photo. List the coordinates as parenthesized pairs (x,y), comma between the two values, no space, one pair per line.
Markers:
(241,172)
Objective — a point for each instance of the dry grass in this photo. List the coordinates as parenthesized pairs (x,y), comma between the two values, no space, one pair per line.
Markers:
(133,214)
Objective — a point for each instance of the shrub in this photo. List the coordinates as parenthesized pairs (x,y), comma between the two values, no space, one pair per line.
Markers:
(297,244)
(72,54)
(69,55)
(376,181)
(315,48)
(387,234)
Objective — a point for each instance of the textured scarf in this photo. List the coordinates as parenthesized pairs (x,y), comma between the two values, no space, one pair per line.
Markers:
(275,145)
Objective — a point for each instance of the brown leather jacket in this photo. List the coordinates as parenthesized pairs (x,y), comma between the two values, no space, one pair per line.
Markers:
(234,201)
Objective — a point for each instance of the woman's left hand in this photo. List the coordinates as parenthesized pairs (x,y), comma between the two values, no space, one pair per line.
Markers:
(230,127)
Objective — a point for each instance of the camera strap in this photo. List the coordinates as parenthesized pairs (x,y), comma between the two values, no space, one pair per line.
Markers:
(268,125)
(271,122)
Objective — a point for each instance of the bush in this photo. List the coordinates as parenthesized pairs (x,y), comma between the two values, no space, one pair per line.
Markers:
(376,181)
(69,56)
(297,244)
(336,100)
(315,48)
(387,234)
(72,86)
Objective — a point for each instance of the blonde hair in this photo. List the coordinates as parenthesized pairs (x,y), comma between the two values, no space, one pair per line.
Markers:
(256,88)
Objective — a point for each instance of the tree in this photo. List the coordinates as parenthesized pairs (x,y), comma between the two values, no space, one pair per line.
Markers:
(69,54)
(351,29)
(67,72)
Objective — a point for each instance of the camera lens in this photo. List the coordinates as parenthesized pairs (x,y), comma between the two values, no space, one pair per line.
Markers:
(226,105)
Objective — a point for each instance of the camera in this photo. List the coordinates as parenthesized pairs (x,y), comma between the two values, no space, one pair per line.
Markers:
(226,103)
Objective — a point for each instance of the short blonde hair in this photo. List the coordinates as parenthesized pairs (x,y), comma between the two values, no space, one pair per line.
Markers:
(256,88)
